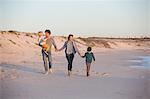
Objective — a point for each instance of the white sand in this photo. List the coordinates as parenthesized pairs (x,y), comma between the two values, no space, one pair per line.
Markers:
(112,75)
(111,78)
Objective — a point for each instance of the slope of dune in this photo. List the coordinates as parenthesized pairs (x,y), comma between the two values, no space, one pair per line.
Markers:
(17,44)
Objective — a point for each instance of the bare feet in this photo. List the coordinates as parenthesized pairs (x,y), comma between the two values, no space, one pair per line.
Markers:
(46,73)
(69,73)
(50,71)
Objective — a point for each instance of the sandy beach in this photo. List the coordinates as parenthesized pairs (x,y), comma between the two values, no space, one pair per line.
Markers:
(120,70)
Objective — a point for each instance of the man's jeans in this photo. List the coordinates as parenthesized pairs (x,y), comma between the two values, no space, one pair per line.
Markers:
(45,56)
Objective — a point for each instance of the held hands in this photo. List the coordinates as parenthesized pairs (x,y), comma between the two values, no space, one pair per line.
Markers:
(80,54)
(94,62)
(57,50)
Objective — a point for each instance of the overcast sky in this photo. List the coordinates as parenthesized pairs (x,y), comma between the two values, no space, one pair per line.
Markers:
(80,17)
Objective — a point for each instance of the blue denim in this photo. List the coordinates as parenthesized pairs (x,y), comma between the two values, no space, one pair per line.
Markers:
(47,55)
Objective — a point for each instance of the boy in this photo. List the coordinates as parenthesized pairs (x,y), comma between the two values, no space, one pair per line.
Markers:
(89,58)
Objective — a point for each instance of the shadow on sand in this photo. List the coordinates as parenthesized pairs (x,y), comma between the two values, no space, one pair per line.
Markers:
(20,68)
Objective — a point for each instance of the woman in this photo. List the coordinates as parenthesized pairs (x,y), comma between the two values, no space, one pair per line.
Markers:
(70,50)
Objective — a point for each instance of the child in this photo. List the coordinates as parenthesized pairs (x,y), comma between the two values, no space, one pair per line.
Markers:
(40,38)
(42,41)
(89,58)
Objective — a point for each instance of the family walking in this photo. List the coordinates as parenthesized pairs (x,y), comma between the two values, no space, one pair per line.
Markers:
(46,41)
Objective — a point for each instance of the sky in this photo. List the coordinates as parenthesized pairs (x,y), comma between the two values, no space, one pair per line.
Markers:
(111,18)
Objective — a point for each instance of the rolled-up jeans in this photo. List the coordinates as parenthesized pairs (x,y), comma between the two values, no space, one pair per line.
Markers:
(47,55)
(70,58)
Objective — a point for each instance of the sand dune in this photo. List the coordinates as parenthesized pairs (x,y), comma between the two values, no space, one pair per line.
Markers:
(112,75)
(21,42)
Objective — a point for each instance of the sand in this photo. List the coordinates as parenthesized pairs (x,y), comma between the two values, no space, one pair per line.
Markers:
(118,72)
(111,78)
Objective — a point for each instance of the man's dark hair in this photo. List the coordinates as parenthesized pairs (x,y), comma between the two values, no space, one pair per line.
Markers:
(70,36)
(48,31)
(89,49)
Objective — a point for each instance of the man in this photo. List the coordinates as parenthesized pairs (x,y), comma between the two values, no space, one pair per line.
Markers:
(49,41)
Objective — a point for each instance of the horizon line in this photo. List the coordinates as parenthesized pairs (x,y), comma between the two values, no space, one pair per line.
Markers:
(77,35)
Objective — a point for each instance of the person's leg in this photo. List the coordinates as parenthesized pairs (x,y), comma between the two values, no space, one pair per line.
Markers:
(68,56)
(88,65)
(68,59)
(71,61)
(50,61)
(87,74)
(45,60)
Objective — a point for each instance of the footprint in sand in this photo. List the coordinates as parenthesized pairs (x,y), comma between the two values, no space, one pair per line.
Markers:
(2,70)
(101,74)
(83,69)
(105,74)
(77,71)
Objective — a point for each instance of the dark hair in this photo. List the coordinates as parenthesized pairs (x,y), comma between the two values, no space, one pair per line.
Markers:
(40,32)
(48,31)
(70,36)
(89,49)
